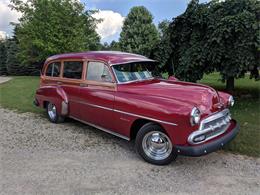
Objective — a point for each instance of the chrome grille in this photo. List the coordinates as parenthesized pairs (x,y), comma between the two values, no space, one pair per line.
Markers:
(217,124)
(212,126)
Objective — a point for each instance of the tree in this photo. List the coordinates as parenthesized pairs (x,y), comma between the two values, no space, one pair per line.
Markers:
(188,40)
(49,27)
(113,46)
(162,51)
(234,39)
(13,65)
(216,36)
(139,34)
(3,70)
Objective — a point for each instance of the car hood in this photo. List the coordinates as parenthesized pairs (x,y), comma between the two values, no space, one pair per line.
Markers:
(201,96)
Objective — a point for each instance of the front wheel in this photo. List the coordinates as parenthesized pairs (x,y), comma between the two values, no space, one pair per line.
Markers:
(52,113)
(154,145)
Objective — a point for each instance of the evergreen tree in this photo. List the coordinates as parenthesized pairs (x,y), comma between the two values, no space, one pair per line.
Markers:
(139,34)
(3,70)
(12,63)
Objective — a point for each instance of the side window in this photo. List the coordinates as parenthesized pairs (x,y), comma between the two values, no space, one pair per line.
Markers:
(53,69)
(97,71)
(72,69)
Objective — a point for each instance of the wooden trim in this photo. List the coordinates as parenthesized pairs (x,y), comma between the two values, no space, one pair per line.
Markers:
(73,60)
(106,64)
(71,81)
(100,84)
(46,67)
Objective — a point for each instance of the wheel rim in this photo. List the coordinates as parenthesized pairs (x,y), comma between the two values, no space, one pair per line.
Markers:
(52,111)
(157,145)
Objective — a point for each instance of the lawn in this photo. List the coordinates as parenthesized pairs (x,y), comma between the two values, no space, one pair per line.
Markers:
(246,111)
(19,93)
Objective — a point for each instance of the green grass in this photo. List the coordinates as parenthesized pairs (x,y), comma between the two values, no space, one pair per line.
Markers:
(246,111)
(18,94)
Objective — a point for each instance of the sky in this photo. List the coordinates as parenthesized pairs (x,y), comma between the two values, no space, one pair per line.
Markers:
(112,12)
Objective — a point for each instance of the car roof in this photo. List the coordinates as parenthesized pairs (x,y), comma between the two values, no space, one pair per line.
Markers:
(110,57)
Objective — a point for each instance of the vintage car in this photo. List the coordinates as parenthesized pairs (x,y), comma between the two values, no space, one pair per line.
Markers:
(120,93)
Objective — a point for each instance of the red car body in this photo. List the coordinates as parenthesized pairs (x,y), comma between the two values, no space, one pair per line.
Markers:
(122,108)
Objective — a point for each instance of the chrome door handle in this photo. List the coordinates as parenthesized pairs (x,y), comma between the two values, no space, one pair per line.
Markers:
(59,83)
(83,85)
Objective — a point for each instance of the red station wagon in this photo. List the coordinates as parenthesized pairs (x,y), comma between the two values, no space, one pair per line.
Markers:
(121,94)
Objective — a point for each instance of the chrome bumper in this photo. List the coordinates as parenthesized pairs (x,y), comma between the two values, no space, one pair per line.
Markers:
(211,127)
(203,149)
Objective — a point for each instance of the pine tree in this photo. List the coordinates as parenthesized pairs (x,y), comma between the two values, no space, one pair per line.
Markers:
(139,34)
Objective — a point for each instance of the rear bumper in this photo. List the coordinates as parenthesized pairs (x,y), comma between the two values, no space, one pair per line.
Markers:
(208,147)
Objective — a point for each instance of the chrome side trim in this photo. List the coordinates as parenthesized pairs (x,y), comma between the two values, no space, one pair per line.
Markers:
(102,129)
(127,113)
(94,105)
(144,117)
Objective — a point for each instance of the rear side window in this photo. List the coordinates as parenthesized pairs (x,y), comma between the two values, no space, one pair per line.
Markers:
(53,69)
(97,71)
(72,69)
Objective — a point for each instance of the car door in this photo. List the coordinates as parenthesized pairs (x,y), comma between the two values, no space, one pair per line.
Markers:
(97,95)
(72,77)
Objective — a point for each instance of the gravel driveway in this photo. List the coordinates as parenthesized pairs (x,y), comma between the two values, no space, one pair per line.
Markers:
(4,79)
(38,157)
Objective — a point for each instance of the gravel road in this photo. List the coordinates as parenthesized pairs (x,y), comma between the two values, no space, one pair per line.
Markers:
(4,79)
(38,157)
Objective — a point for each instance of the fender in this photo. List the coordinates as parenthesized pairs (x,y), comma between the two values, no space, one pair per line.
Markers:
(54,94)
(224,98)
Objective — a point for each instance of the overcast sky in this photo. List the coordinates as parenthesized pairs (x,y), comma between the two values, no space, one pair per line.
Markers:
(112,12)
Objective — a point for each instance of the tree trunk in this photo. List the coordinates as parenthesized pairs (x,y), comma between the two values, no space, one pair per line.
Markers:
(230,84)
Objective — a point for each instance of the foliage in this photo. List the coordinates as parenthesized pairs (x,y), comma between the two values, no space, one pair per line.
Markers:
(188,38)
(216,36)
(139,34)
(13,65)
(113,46)
(49,27)
(162,51)
(234,38)
(3,70)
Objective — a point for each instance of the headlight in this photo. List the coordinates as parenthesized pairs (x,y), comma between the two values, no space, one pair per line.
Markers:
(231,101)
(195,116)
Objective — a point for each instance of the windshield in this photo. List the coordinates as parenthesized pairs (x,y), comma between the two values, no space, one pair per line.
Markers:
(136,71)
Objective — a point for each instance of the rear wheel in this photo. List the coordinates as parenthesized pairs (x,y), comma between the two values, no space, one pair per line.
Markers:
(52,113)
(154,145)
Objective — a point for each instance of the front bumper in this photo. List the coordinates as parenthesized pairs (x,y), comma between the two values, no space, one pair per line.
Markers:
(209,147)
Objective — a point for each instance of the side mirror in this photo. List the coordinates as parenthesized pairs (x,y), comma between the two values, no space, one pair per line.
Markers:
(172,78)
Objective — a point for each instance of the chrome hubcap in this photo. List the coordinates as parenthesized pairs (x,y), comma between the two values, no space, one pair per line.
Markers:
(52,111)
(157,145)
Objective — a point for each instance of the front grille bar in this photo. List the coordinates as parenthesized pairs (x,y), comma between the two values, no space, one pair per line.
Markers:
(222,121)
